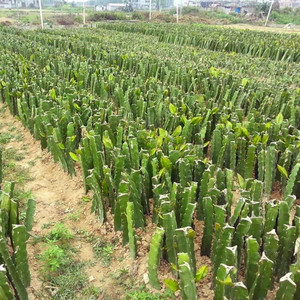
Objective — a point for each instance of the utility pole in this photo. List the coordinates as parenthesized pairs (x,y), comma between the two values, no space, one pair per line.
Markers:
(41,14)
(269,12)
(83,11)
(150,10)
(177,15)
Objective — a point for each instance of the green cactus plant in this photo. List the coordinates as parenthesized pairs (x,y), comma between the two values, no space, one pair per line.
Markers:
(286,247)
(6,289)
(131,233)
(154,257)
(169,222)
(262,280)
(208,226)
(12,271)
(238,237)
(251,264)
(239,292)
(223,281)
(185,244)
(187,282)
(287,288)
(19,238)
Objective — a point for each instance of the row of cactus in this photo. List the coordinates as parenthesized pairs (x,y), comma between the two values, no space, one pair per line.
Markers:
(219,39)
(14,268)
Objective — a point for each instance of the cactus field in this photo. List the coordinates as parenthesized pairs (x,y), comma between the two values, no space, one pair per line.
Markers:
(189,132)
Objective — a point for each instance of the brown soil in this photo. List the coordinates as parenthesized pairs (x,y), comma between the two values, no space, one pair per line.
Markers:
(6,21)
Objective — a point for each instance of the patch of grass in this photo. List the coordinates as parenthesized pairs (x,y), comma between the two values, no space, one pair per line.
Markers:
(286,16)
(19,137)
(13,154)
(60,232)
(47,225)
(31,163)
(123,278)
(143,293)
(12,172)
(12,128)
(75,216)
(70,280)
(64,276)
(91,292)
(6,138)
(53,258)
(22,195)
(104,251)
(87,235)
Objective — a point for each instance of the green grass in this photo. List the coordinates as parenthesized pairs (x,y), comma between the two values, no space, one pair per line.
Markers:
(6,138)
(63,274)
(286,17)
(60,233)
(143,293)
(104,250)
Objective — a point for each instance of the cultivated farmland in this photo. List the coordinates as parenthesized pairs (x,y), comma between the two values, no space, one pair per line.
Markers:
(192,131)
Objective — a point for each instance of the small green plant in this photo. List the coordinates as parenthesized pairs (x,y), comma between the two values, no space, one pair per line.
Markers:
(5,138)
(104,250)
(143,293)
(46,225)
(53,258)
(75,216)
(60,232)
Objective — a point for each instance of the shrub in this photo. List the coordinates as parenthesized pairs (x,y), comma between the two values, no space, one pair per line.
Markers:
(109,16)
(53,258)
(140,15)
(190,10)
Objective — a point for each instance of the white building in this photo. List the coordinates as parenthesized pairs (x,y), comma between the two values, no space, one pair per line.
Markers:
(115,6)
(142,4)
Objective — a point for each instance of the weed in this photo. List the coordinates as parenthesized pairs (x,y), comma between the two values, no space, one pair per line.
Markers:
(104,250)
(143,293)
(46,225)
(123,278)
(70,280)
(53,258)
(91,292)
(60,232)
(19,138)
(12,128)
(75,216)
(31,163)
(87,235)
(5,138)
